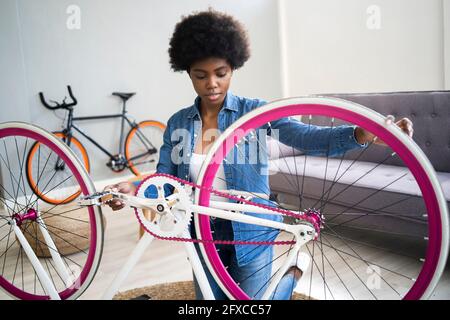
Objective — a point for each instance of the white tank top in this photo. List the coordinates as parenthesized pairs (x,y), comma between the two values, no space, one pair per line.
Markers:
(194,170)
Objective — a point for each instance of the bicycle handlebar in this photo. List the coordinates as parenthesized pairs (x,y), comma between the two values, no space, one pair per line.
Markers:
(57,105)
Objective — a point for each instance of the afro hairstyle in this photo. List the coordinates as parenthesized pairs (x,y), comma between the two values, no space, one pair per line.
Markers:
(208,34)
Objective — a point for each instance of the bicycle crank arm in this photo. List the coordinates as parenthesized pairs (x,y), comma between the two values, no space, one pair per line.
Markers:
(102,198)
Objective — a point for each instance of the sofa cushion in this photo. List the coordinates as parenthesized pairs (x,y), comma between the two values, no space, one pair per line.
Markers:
(276,149)
(430,113)
(389,178)
(387,199)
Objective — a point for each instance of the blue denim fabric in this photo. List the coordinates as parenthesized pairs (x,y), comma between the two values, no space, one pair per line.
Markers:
(253,278)
(178,145)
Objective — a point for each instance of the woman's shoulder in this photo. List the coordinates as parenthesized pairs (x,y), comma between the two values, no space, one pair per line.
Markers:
(182,115)
(247,104)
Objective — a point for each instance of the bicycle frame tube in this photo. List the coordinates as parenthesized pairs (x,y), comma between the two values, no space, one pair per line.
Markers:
(71,120)
(92,141)
(122,124)
(137,156)
(228,214)
(121,149)
(68,129)
(110,116)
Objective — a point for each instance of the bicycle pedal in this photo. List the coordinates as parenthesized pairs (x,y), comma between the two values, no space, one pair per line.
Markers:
(96,199)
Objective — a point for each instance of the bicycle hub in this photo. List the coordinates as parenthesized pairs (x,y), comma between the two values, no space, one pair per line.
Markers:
(317,216)
(31,214)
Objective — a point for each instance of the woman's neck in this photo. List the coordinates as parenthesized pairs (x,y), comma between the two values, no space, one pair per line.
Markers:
(209,111)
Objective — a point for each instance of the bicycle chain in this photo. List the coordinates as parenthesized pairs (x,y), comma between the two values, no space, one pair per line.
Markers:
(314,221)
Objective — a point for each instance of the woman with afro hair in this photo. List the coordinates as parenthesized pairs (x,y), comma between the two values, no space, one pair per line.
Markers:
(209,46)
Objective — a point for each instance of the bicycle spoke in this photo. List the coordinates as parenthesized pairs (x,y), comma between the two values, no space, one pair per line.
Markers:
(335,272)
(38,243)
(318,270)
(380,231)
(359,178)
(352,269)
(52,249)
(58,236)
(61,214)
(21,171)
(43,169)
(142,137)
(364,260)
(335,181)
(369,196)
(369,245)
(54,188)
(7,243)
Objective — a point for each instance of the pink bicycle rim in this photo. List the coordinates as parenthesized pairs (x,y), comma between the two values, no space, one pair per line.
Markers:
(434,222)
(90,260)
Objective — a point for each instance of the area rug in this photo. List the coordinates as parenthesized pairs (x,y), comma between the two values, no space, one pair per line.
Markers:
(183,290)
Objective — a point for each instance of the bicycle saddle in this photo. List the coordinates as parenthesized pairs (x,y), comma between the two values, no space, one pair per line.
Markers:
(124,96)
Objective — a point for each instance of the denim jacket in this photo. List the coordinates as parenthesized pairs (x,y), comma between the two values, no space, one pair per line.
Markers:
(179,144)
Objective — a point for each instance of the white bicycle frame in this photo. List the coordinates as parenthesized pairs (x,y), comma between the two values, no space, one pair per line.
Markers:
(225,210)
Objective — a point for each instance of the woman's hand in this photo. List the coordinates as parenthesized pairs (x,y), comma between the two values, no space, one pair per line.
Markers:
(363,136)
(122,187)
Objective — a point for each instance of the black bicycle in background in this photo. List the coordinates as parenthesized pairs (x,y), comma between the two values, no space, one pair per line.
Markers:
(138,151)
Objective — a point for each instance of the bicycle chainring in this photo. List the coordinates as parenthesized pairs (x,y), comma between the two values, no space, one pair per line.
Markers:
(169,218)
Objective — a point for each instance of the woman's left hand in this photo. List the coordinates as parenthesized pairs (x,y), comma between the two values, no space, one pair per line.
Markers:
(363,136)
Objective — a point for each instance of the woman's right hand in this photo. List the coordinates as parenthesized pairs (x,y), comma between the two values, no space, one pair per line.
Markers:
(122,187)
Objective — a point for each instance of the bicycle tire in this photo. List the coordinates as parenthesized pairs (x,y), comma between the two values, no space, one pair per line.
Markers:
(135,144)
(429,269)
(77,230)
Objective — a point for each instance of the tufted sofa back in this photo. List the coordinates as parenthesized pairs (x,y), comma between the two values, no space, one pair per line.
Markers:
(430,113)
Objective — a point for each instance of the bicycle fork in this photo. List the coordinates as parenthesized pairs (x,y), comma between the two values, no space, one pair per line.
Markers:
(59,265)
(136,255)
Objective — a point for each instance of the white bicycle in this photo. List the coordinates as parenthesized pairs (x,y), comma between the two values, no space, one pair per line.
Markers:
(53,252)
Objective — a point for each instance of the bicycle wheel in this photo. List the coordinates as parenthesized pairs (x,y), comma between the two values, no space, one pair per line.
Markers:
(142,147)
(44,249)
(56,166)
(385,231)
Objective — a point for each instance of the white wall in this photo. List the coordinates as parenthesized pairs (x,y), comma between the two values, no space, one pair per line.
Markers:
(122,45)
(446,14)
(13,85)
(331,49)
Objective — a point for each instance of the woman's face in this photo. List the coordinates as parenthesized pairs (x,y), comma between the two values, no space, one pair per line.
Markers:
(211,79)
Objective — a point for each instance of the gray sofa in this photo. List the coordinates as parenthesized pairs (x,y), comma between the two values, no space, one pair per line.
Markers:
(401,207)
